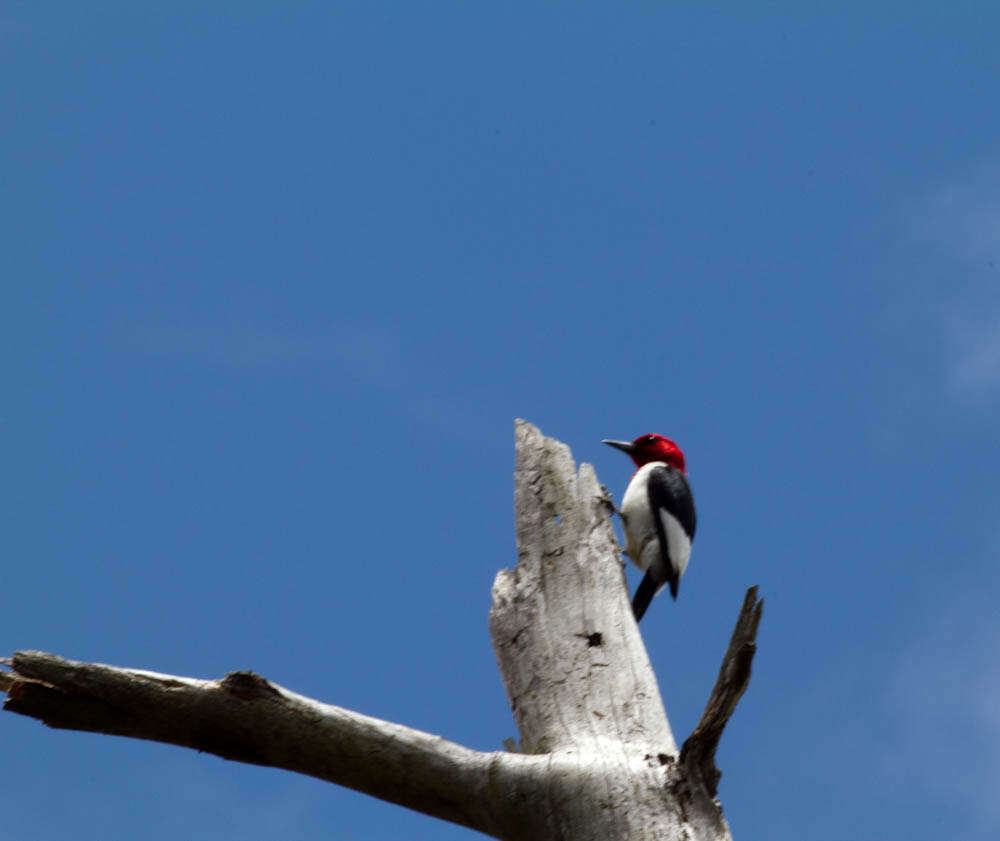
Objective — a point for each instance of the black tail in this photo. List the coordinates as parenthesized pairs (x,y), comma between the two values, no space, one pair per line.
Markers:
(645,592)
(643,596)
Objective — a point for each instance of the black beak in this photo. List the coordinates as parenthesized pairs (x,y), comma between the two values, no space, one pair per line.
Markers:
(624,446)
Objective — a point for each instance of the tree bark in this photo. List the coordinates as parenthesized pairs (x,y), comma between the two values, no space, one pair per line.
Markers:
(597,758)
(246,718)
(698,753)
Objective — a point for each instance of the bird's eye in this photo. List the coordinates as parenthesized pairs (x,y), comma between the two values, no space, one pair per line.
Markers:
(650,439)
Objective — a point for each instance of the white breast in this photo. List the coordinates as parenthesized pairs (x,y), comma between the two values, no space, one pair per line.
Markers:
(639,526)
(641,542)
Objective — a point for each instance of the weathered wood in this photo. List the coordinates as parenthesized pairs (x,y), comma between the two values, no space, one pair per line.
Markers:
(246,718)
(569,651)
(698,753)
(576,672)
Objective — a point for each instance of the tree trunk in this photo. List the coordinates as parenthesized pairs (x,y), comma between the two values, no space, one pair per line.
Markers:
(597,759)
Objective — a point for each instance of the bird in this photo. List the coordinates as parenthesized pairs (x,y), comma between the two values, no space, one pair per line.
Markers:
(658,515)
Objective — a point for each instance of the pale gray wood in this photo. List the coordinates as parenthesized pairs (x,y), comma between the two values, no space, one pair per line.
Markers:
(597,759)
(246,718)
(698,753)
(569,651)
(576,671)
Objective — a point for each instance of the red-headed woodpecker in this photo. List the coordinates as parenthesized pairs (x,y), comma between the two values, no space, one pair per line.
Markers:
(658,516)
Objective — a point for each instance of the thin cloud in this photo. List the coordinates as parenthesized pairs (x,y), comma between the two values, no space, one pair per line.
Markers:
(371,354)
(962,216)
(954,245)
(945,700)
(976,339)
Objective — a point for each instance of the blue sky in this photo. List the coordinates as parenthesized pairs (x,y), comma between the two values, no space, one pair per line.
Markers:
(279,277)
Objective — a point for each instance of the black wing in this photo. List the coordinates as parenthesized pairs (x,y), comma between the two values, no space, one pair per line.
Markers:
(669,491)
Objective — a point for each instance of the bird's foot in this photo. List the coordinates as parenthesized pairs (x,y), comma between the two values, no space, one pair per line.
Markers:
(607,500)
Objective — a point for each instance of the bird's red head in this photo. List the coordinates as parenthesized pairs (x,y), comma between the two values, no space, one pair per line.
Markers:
(652,447)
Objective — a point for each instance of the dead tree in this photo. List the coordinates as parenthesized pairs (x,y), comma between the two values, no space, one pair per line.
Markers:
(596,760)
